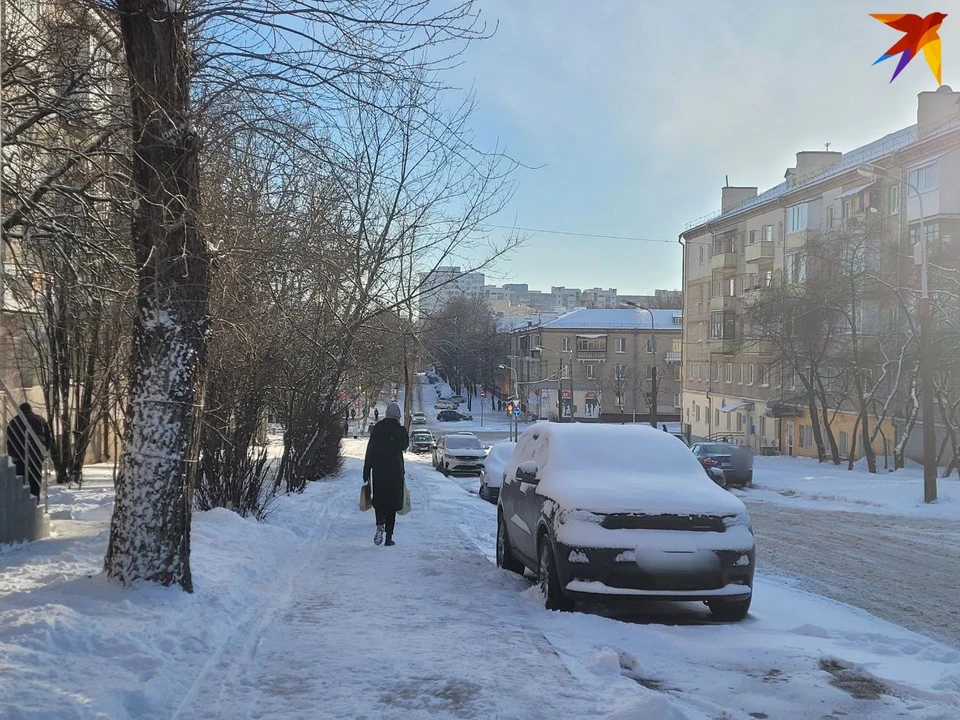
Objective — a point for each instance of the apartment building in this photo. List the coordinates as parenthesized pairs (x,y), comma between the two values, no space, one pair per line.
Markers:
(736,383)
(597,365)
(445,283)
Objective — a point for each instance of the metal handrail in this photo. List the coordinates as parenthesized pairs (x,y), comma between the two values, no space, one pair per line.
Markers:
(31,437)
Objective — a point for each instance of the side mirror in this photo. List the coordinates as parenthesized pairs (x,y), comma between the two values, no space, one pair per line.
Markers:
(527,472)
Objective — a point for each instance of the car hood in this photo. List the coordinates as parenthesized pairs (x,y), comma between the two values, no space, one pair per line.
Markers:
(466,452)
(638,492)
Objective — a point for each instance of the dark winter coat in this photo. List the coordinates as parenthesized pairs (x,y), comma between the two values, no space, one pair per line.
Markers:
(384,460)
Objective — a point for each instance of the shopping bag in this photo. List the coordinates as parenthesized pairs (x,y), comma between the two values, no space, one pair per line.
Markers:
(406,501)
(365,502)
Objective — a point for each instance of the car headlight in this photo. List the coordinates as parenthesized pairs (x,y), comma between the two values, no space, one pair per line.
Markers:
(739,520)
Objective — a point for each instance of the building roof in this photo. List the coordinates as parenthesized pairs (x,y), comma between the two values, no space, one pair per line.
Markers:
(851,160)
(628,319)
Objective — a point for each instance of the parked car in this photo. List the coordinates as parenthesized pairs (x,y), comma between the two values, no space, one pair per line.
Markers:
(444,404)
(620,513)
(453,416)
(419,418)
(458,399)
(421,441)
(493,468)
(459,454)
(736,461)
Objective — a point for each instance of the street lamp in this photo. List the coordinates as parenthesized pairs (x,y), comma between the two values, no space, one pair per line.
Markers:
(873,172)
(559,382)
(516,390)
(654,418)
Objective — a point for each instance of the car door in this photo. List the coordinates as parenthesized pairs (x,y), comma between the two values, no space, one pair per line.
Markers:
(511,501)
(530,505)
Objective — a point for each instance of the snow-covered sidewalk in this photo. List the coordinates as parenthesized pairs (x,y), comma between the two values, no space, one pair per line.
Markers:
(303,617)
(805,483)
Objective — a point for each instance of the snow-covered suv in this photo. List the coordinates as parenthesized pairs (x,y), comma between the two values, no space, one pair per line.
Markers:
(622,513)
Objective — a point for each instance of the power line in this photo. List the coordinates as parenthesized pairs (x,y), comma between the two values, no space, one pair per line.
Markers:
(580,234)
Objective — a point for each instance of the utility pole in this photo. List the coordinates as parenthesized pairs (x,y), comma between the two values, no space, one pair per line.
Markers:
(654,416)
(925,314)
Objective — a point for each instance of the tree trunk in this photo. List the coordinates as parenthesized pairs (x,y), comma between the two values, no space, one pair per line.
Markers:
(150,529)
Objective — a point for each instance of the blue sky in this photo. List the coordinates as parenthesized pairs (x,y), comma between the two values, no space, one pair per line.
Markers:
(637,109)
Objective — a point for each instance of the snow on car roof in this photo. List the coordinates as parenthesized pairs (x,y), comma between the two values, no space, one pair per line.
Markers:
(621,468)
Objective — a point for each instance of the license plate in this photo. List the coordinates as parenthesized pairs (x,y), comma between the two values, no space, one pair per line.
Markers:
(726,464)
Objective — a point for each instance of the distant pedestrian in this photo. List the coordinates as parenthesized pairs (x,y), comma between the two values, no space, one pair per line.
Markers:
(376,415)
(22,447)
(384,465)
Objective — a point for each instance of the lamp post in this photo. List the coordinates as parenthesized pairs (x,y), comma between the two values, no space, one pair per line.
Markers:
(516,382)
(926,335)
(559,380)
(654,400)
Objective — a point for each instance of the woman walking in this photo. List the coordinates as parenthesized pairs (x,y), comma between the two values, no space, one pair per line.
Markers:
(384,459)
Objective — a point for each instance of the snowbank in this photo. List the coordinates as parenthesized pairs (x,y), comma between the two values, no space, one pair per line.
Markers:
(805,483)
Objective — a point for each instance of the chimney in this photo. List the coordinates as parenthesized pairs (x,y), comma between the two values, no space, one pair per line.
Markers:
(732,196)
(936,108)
(813,161)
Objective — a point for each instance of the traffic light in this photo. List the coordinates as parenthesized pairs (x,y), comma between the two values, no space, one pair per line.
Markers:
(509,407)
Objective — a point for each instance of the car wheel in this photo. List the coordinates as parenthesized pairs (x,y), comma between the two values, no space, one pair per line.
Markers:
(554,597)
(445,470)
(505,558)
(730,610)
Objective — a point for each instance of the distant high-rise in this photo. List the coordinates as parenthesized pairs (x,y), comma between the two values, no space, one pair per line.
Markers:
(445,283)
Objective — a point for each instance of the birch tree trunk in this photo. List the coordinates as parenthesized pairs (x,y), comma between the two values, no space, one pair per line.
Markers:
(150,529)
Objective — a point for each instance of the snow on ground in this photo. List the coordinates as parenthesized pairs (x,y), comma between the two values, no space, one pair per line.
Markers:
(493,421)
(805,483)
(302,616)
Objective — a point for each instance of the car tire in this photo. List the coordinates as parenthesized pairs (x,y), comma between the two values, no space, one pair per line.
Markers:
(444,470)
(554,598)
(505,558)
(730,610)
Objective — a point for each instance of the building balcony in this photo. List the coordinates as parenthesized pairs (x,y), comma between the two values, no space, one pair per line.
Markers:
(724,261)
(762,250)
(674,356)
(723,303)
(591,355)
(723,346)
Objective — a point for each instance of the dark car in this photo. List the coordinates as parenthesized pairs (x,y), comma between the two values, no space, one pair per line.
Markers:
(452,416)
(736,461)
(421,441)
(622,514)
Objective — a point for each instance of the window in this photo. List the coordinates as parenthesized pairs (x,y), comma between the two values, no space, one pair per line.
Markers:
(765,375)
(716,372)
(592,344)
(797,218)
(621,345)
(780,233)
(591,372)
(750,374)
(676,371)
(843,440)
(793,381)
(722,326)
(925,178)
(690,374)
(802,435)
(676,400)
(931,233)
(566,344)
(701,257)
(763,426)
(698,413)
(768,233)
(739,422)
(768,279)
(649,371)
(699,332)
(894,203)
(716,420)
(830,217)
(752,238)
(731,287)
(739,373)
(794,269)
(728,420)
(728,373)
(651,345)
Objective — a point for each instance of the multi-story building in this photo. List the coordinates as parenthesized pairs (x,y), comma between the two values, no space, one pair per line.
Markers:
(599,298)
(735,382)
(445,283)
(598,365)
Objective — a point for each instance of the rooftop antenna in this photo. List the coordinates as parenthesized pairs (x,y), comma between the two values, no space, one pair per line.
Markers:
(828,147)
(726,180)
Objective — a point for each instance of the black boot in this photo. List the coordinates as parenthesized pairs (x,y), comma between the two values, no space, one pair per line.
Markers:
(389,541)
(378,536)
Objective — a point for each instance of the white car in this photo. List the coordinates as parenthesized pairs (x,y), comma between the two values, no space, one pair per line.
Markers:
(622,513)
(459,454)
(419,418)
(445,404)
(493,469)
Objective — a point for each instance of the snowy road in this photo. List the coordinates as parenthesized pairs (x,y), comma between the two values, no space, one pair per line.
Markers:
(903,569)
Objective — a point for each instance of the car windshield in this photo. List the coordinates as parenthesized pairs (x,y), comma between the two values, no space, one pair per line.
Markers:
(422,436)
(463,442)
